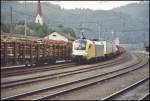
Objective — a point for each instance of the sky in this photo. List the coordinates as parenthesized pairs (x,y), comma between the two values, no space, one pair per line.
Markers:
(94,5)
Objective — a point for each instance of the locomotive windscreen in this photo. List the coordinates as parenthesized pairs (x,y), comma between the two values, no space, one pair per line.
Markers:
(80,44)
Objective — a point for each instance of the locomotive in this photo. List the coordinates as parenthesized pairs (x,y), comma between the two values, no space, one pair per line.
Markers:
(85,50)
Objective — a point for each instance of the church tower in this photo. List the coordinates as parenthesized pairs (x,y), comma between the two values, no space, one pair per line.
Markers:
(39,18)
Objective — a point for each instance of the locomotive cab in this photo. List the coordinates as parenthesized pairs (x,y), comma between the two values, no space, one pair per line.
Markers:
(82,50)
(79,47)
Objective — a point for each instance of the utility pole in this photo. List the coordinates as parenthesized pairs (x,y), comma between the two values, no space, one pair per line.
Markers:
(99,29)
(112,35)
(11,19)
(25,27)
(81,30)
(25,24)
(112,39)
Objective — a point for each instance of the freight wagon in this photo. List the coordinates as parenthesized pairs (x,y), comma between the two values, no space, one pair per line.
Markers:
(23,51)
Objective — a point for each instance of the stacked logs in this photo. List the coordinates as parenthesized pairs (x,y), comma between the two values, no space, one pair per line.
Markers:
(16,51)
(59,49)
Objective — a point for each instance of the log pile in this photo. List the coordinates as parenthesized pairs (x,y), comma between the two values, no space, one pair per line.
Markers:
(25,51)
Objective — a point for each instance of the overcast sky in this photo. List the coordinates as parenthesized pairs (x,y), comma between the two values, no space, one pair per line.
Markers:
(95,5)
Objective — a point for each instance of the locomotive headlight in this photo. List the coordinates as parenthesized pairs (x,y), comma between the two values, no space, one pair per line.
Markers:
(86,53)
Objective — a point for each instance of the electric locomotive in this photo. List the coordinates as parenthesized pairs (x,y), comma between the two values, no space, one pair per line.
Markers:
(85,50)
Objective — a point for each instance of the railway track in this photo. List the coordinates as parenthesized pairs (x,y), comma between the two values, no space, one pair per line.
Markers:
(27,70)
(6,72)
(12,71)
(145,97)
(18,67)
(47,93)
(66,73)
(127,90)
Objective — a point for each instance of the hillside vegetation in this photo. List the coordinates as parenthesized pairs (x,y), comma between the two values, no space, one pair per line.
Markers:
(130,23)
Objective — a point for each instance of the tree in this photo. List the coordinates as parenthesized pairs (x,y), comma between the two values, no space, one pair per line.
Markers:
(66,30)
(6,27)
(32,28)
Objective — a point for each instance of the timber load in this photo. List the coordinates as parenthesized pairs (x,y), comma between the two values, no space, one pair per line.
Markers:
(18,51)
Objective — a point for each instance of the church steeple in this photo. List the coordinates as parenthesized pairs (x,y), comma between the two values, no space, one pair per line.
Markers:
(39,18)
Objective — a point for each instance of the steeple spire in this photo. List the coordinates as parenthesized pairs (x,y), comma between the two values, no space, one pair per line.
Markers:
(39,18)
(38,8)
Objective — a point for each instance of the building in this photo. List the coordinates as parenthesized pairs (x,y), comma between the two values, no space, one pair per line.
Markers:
(117,42)
(39,18)
(60,37)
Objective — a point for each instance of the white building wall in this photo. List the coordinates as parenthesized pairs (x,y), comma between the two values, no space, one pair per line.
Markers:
(117,41)
(39,20)
(56,36)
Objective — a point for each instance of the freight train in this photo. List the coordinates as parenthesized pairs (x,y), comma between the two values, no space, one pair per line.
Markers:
(85,50)
(21,51)
(146,46)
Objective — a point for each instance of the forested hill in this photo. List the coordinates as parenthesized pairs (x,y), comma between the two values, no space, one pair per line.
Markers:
(137,11)
(129,22)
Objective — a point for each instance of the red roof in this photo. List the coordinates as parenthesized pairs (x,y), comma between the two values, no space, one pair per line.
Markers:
(38,8)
